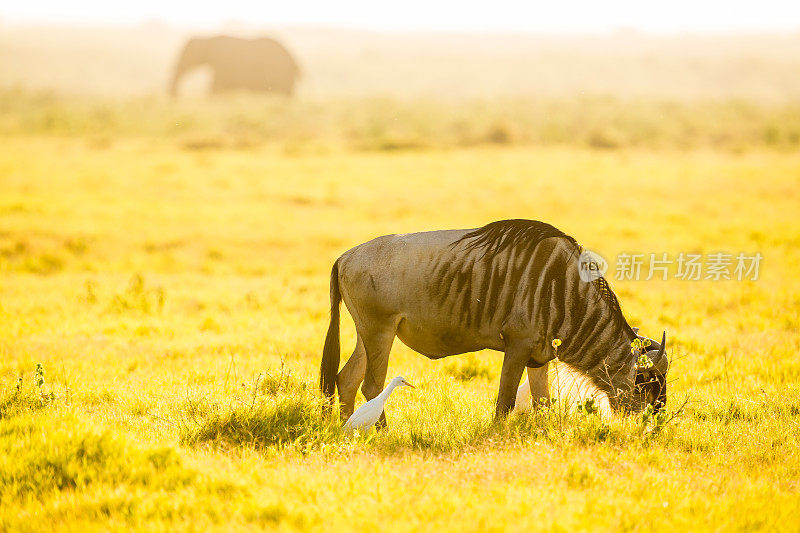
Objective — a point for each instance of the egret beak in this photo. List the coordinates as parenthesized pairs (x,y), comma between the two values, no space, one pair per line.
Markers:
(407,384)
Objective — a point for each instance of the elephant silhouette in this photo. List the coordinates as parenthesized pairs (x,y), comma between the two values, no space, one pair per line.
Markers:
(261,65)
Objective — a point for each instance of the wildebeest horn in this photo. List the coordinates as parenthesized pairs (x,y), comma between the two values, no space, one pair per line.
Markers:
(659,357)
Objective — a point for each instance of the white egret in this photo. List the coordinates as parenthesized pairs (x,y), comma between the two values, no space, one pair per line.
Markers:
(369,413)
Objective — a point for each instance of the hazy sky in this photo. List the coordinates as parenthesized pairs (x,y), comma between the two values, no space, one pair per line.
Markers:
(492,15)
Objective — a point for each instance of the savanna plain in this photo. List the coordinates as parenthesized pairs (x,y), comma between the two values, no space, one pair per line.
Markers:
(164,273)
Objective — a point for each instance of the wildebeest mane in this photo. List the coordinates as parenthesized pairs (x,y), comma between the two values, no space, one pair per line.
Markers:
(608,295)
(496,237)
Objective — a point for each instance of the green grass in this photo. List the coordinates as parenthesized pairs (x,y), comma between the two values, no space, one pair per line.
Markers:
(177,300)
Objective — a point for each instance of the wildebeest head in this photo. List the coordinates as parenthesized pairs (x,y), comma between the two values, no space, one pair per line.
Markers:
(650,385)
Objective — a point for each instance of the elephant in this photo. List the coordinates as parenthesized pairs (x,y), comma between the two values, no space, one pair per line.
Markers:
(261,65)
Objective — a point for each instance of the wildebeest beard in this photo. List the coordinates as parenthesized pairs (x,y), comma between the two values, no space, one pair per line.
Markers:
(651,387)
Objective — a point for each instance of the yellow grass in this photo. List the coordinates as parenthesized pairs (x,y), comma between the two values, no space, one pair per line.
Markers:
(162,288)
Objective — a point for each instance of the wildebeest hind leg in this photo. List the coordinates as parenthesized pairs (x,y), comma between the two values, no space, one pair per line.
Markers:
(349,378)
(377,345)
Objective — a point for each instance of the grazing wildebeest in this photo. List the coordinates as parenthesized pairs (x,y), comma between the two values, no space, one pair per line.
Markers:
(512,286)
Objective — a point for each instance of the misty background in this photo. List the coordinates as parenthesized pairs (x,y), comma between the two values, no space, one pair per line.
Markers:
(614,75)
(136,59)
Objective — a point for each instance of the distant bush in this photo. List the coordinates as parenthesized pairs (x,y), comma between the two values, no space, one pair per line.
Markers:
(138,297)
(605,138)
(245,121)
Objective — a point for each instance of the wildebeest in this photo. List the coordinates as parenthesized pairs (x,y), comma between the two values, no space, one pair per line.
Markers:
(512,286)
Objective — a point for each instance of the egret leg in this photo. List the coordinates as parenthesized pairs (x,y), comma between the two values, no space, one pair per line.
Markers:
(349,378)
(540,385)
(382,423)
(377,345)
(513,364)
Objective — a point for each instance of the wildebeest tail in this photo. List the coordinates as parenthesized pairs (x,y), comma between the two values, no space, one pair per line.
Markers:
(330,353)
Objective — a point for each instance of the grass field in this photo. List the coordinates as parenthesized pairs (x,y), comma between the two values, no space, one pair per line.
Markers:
(175,295)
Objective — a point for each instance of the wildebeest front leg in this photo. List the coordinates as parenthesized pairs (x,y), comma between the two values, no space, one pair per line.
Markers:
(516,355)
(349,378)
